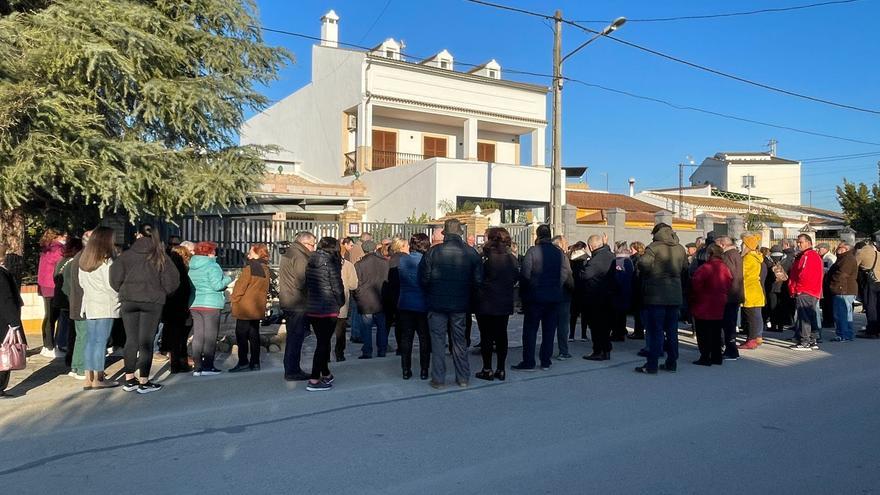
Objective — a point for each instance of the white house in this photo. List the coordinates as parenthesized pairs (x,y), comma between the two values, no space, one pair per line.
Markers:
(757,173)
(415,133)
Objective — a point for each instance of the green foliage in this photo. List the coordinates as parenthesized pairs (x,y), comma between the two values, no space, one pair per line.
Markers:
(423,218)
(861,206)
(446,206)
(758,220)
(470,206)
(129,104)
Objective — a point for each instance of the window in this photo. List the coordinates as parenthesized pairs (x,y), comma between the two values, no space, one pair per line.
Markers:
(486,152)
(492,74)
(434,147)
(444,64)
(384,149)
(389,53)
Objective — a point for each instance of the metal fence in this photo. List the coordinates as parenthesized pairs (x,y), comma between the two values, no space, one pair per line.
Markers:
(521,233)
(234,236)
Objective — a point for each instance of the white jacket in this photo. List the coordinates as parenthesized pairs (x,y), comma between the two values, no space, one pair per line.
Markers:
(99,299)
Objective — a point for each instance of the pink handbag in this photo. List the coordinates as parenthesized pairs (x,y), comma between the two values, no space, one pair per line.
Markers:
(13,351)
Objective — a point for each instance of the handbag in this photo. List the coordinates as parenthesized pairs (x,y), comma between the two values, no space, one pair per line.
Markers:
(13,351)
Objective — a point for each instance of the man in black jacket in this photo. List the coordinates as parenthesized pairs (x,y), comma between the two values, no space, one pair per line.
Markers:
(545,271)
(449,273)
(293,296)
(372,273)
(597,281)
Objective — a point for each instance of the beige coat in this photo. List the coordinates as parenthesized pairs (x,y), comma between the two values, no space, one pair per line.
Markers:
(866,257)
(349,283)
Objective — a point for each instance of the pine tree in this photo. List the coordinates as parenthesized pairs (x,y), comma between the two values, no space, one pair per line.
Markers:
(861,206)
(129,105)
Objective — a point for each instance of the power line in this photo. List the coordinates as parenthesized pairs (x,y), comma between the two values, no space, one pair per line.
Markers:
(731,14)
(719,114)
(685,62)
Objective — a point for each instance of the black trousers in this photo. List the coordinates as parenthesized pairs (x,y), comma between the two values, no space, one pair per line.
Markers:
(709,340)
(50,322)
(4,380)
(71,341)
(493,331)
(341,324)
(618,323)
(577,310)
(826,304)
(117,334)
(141,322)
(599,322)
(323,328)
(410,324)
(638,325)
(731,311)
(175,332)
(247,338)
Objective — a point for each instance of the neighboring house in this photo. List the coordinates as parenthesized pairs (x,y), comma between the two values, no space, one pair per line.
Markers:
(416,134)
(593,206)
(774,178)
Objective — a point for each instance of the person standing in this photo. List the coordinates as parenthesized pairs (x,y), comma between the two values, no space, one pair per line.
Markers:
(544,274)
(413,309)
(293,297)
(372,274)
(711,283)
(826,303)
(735,297)
(577,256)
(562,325)
(10,313)
(209,285)
(352,252)
(843,287)
(326,295)
(638,249)
(754,299)
(248,300)
(397,249)
(805,285)
(177,320)
(598,281)
(662,267)
(100,305)
(143,277)
(781,304)
(349,284)
(623,291)
(66,330)
(494,301)
(74,293)
(51,249)
(448,273)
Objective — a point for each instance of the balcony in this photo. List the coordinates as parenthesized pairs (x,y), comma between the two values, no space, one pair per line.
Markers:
(382,160)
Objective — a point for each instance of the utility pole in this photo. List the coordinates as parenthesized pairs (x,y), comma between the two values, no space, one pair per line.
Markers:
(556,223)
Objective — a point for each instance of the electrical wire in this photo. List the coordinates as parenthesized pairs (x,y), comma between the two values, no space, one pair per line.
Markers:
(730,14)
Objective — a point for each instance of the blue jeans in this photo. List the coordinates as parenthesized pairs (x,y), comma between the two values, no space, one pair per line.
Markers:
(661,327)
(367,322)
(547,316)
(297,326)
(355,319)
(96,343)
(843,316)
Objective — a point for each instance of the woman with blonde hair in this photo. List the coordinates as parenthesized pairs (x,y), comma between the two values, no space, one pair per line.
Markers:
(100,305)
(249,306)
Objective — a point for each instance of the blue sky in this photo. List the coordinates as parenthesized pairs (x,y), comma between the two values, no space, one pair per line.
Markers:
(828,52)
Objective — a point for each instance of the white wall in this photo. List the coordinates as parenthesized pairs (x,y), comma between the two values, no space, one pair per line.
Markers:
(778,183)
(395,192)
(410,133)
(308,125)
(711,171)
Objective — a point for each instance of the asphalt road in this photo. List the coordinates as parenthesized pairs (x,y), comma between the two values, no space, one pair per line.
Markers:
(777,421)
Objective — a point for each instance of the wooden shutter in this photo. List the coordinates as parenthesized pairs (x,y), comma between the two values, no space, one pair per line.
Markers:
(384,149)
(486,152)
(434,147)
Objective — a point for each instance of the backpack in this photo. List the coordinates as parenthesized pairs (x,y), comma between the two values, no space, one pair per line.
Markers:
(779,272)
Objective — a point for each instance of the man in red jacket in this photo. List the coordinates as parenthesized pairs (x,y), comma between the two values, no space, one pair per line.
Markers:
(805,285)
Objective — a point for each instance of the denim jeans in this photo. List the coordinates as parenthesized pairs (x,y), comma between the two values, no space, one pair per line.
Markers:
(843,316)
(355,320)
(367,322)
(661,326)
(547,316)
(96,343)
(562,327)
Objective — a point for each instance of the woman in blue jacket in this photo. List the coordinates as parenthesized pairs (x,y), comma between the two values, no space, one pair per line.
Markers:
(412,317)
(208,298)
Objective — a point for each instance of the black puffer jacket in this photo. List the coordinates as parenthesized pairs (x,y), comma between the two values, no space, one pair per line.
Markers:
(495,294)
(136,279)
(372,273)
(177,303)
(324,281)
(450,273)
(597,277)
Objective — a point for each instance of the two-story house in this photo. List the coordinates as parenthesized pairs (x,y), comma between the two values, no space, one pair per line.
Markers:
(419,135)
(752,173)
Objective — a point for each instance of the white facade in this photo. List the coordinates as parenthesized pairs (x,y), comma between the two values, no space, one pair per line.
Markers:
(414,112)
(774,178)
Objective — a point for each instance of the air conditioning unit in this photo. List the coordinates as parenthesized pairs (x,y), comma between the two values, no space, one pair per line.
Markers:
(352,122)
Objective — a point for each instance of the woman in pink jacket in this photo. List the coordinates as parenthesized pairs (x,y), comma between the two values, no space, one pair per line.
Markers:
(51,246)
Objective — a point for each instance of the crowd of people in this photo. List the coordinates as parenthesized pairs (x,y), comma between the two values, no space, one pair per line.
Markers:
(100,301)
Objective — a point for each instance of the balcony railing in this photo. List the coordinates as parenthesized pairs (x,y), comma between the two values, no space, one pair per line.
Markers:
(388,159)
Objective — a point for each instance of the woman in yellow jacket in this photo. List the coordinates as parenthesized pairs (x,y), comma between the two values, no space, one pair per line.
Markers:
(754,273)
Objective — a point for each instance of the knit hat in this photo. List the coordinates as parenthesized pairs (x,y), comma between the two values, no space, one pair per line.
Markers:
(751,241)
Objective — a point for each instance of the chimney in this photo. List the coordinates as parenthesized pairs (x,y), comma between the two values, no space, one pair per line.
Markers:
(330,30)
(632,187)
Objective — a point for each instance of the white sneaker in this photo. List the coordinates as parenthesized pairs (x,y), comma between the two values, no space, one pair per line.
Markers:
(75,375)
(49,353)
(58,353)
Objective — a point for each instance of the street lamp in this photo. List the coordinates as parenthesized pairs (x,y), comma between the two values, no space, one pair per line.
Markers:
(556,180)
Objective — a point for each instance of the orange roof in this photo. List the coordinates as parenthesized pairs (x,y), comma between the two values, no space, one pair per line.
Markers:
(587,200)
(705,201)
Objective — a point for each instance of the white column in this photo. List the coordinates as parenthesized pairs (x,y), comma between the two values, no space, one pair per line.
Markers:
(470,139)
(364,136)
(538,151)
